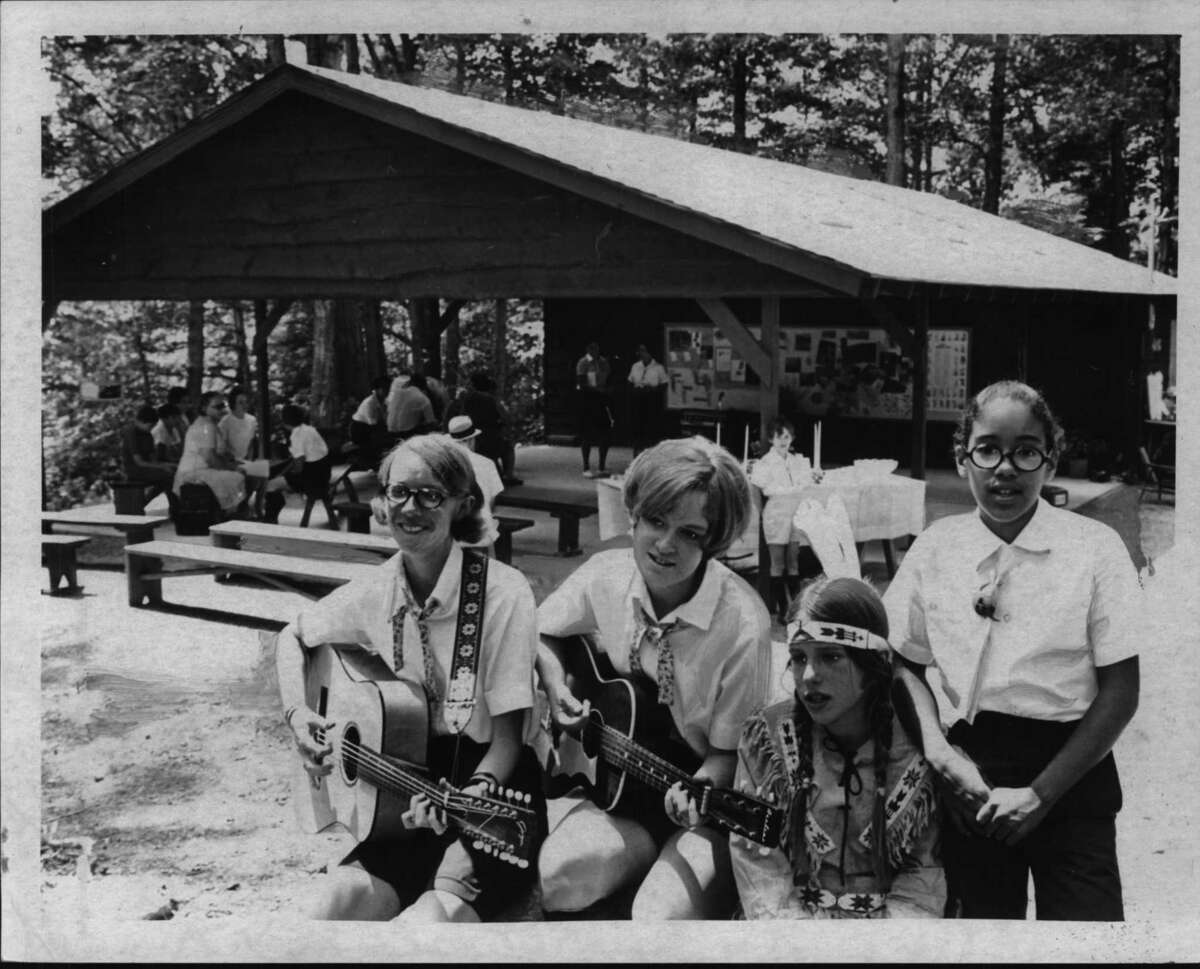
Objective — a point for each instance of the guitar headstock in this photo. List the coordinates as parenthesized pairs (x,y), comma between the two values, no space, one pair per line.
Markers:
(502,821)
(751,817)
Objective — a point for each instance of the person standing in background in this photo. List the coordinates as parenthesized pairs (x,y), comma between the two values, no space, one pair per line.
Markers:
(491,417)
(368,426)
(595,414)
(409,411)
(649,380)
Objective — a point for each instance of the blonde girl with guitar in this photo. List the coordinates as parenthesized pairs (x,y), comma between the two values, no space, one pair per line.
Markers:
(409,615)
(667,614)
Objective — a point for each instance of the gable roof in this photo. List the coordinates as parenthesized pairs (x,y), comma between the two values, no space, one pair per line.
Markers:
(844,232)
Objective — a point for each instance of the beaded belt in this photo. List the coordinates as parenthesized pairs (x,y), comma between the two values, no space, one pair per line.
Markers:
(855,903)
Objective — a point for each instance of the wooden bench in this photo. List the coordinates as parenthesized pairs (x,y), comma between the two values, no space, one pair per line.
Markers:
(564,506)
(506,527)
(144,568)
(135,528)
(236,533)
(58,555)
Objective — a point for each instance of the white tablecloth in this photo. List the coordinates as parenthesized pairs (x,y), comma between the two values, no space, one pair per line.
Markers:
(882,508)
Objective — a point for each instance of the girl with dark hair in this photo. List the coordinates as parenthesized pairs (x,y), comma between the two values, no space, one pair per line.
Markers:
(667,614)
(1031,615)
(462,627)
(780,472)
(861,827)
(206,459)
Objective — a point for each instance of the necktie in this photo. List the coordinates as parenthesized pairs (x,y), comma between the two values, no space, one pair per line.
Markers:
(657,633)
(421,615)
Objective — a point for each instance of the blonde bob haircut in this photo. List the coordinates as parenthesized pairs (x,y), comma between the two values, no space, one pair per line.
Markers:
(450,464)
(660,476)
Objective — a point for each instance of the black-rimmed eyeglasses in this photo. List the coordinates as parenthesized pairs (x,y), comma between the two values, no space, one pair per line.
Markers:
(1024,457)
(427,498)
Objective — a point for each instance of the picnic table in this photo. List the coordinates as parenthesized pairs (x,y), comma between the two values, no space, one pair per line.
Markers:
(566,506)
(880,509)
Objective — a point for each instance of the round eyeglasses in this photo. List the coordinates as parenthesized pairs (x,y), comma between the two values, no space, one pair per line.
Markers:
(427,498)
(1024,457)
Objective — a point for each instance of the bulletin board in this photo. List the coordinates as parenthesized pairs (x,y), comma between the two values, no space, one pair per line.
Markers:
(836,371)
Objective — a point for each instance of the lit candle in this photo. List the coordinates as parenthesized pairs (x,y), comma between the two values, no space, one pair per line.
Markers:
(817,446)
(746,445)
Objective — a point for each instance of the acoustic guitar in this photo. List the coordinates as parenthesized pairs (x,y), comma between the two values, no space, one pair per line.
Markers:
(626,756)
(379,734)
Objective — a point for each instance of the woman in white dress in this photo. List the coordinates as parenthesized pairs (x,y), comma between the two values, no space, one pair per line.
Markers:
(206,460)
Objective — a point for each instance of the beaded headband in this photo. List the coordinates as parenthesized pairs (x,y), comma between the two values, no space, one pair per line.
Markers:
(838,634)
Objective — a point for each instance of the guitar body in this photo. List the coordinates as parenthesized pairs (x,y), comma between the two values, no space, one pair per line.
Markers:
(631,708)
(628,752)
(372,707)
(381,739)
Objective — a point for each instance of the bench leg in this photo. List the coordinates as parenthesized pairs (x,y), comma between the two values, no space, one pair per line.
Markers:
(568,535)
(139,588)
(503,547)
(136,535)
(889,556)
(61,563)
(358,522)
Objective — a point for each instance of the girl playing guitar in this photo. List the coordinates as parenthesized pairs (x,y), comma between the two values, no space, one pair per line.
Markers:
(666,610)
(407,613)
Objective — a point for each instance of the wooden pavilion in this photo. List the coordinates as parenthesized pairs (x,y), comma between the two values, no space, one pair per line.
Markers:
(315,183)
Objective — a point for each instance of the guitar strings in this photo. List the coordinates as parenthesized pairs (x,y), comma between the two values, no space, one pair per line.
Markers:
(373,762)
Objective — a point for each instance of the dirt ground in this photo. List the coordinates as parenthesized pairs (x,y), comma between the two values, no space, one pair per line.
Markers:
(165,766)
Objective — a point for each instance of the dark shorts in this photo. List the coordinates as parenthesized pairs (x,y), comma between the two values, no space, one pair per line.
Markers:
(1072,854)
(422,860)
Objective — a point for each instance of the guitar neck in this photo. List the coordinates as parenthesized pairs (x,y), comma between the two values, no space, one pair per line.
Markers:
(633,758)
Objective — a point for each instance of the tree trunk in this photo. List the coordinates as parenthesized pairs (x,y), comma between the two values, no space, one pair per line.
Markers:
(1168,186)
(452,351)
(376,357)
(195,349)
(500,347)
(239,346)
(426,336)
(740,86)
(264,322)
(324,397)
(993,161)
(139,347)
(460,66)
(350,53)
(895,109)
(508,71)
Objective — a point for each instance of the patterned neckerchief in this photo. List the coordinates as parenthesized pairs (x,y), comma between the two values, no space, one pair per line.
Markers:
(657,633)
(421,614)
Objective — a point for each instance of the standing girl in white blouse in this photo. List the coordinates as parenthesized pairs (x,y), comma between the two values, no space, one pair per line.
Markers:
(776,473)
(1031,615)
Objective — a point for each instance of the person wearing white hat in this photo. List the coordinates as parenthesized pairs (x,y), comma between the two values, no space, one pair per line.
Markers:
(464,431)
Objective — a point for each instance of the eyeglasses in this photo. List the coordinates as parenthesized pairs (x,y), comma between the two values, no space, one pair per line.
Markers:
(1024,457)
(426,498)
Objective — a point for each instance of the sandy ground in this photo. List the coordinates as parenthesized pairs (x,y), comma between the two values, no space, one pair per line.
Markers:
(165,767)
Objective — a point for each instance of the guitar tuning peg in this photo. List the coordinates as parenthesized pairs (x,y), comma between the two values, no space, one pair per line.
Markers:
(477,845)
(522,863)
(510,793)
(764,850)
(526,797)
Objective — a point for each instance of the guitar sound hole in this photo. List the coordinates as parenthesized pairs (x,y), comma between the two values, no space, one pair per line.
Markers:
(350,744)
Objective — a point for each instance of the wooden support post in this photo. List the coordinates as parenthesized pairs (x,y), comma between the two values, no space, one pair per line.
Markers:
(768,391)
(920,382)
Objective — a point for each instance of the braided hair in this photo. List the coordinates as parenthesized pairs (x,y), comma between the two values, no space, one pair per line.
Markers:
(851,602)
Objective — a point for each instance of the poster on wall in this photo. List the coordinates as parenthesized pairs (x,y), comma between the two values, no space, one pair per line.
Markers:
(823,371)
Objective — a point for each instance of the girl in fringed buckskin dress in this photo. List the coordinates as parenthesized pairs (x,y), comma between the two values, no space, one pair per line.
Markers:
(862,829)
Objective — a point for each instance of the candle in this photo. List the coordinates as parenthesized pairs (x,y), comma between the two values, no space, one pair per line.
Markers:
(817,446)
(718,432)
(746,445)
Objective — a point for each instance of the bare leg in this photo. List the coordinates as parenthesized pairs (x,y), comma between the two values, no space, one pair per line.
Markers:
(349,892)
(437,906)
(692,879)
(589,855)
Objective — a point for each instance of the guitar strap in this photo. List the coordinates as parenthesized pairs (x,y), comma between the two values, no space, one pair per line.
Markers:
(464,665)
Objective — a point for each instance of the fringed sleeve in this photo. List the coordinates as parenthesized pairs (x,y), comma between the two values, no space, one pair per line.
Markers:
(763,875)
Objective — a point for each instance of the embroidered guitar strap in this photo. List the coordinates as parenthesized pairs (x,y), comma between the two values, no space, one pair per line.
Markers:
(464,665)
